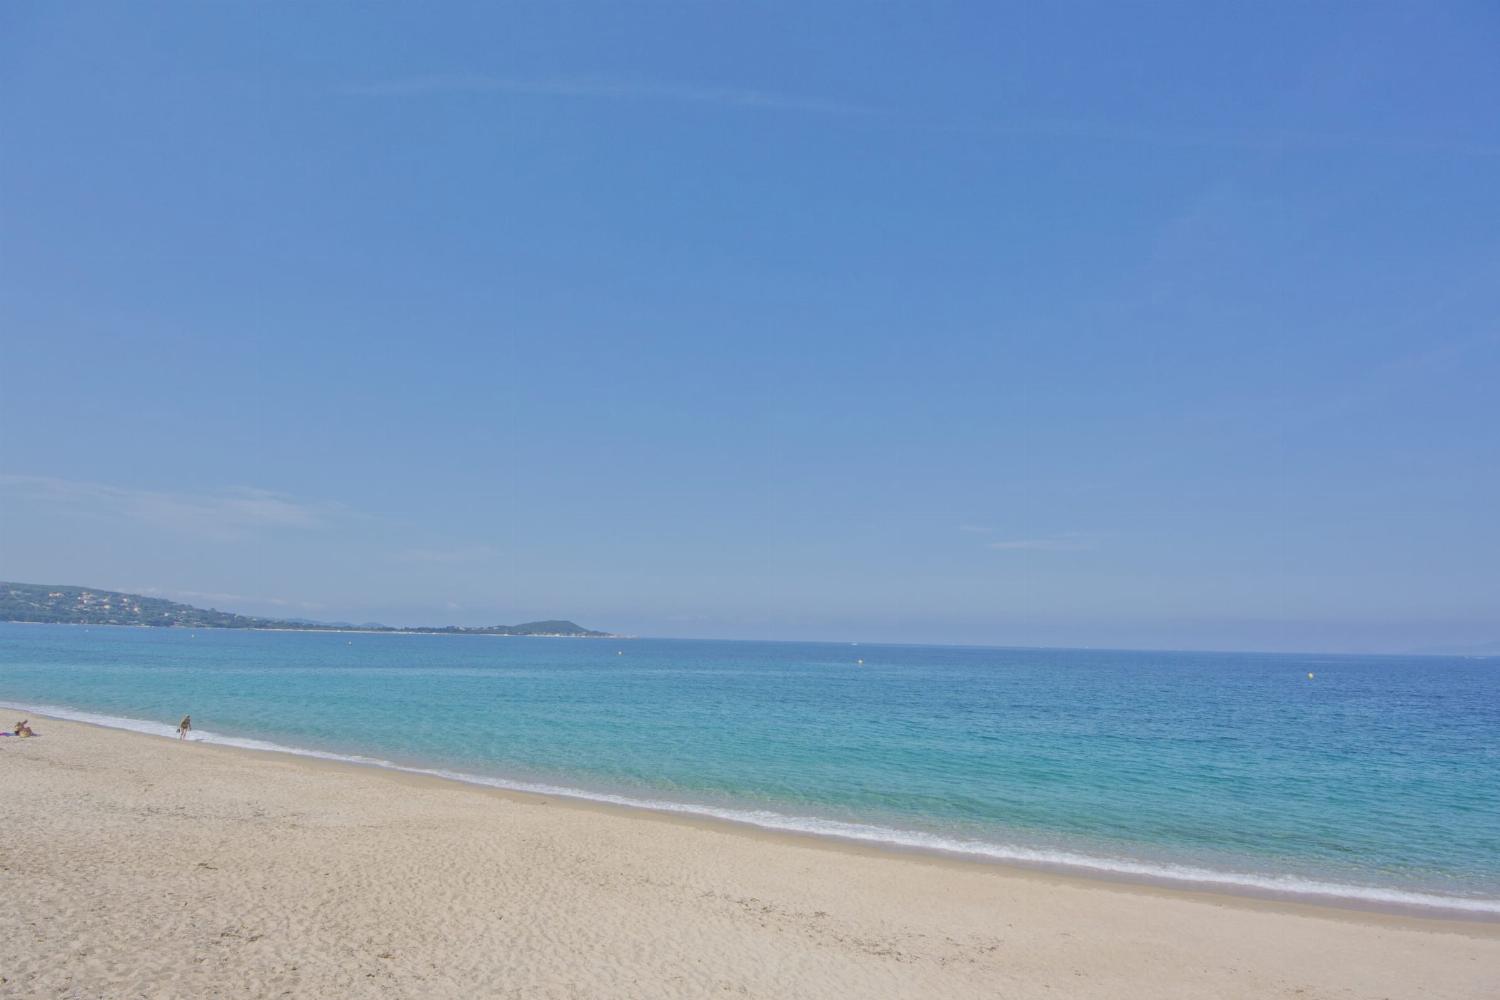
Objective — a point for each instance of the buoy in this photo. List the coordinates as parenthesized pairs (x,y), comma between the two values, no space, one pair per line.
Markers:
(1309,675)
(860,662)
(620,652)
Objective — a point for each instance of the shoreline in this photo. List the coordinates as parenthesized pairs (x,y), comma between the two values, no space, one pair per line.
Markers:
(878,841)
(138,866)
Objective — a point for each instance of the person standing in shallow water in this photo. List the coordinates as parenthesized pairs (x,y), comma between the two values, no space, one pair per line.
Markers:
(184,727)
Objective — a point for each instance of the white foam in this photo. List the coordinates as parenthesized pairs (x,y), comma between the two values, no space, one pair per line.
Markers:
(1290,885)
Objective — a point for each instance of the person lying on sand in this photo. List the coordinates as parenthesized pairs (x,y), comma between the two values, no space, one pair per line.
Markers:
(23,728)
(184,727)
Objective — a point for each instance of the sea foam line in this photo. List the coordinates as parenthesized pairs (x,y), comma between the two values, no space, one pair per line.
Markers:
(1291,885)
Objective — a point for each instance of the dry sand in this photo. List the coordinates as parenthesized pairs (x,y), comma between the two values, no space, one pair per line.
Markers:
(135,866)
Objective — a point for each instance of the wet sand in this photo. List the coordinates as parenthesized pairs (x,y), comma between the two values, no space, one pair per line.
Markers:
(136,866)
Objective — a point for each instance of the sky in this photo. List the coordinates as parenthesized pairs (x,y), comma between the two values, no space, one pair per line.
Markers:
(1142,325)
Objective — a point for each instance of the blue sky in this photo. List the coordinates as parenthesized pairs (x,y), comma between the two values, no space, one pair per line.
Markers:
(1144,325)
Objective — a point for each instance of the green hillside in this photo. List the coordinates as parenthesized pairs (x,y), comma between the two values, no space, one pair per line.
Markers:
(31,602)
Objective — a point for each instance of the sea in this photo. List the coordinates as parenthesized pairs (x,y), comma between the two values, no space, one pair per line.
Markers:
(1355,780)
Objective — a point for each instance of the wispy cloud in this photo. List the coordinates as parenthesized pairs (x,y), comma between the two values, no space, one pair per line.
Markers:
(218,597)
(228,513)
(1265,141)
(446,556)
(606,90)
(1272,141)
(1054,543)
(1068,541)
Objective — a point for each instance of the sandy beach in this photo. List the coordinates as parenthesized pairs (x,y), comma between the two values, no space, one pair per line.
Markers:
(136,866)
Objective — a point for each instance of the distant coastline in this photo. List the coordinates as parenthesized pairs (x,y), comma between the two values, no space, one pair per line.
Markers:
(39,604)
(338,630)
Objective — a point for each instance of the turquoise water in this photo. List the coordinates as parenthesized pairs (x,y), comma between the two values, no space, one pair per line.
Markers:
(1378,780)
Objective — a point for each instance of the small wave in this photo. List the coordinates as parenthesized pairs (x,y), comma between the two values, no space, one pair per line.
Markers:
(1290,885)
